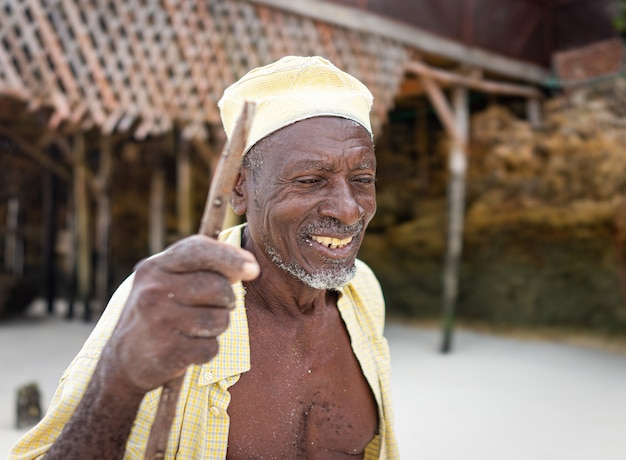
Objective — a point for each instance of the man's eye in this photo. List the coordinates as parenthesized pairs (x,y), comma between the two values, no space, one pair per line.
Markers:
(366,180)
(308,180)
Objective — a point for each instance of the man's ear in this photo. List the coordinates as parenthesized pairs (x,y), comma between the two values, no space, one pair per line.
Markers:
(238,197)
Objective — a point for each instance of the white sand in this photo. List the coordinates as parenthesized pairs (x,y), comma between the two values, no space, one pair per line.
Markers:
(492,398)
(503,399)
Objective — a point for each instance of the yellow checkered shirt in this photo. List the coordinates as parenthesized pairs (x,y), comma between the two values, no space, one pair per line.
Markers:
(200,428)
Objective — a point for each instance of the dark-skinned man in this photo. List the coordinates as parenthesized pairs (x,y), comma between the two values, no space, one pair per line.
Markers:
(302,370)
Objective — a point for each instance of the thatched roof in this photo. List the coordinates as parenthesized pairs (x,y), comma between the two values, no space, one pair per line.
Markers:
(147,66)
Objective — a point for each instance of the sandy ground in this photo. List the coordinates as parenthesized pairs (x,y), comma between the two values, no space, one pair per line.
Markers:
(492,398)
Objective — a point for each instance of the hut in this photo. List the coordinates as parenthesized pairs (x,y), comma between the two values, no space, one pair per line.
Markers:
(109,122)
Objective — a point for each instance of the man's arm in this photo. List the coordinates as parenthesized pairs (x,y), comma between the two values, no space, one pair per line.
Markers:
(102,421)
(178,305)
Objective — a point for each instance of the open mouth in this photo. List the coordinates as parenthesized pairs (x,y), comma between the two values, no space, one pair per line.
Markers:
(330,242)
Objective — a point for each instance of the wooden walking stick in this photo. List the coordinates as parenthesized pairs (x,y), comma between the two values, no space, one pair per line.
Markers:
(211,225)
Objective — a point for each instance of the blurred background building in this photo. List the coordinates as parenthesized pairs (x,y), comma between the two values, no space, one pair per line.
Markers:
(499,126)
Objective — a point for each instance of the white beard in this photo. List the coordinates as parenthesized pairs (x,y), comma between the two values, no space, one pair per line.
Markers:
(332,278)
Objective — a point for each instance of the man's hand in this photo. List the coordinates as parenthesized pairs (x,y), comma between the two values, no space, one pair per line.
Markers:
(179,303)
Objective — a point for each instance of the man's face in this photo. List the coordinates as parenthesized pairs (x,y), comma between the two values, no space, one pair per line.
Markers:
(312,197)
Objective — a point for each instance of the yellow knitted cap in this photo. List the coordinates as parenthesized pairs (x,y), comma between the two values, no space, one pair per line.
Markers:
(292,89)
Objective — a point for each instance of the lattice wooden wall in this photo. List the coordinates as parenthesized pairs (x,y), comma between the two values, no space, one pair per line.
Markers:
(147,65)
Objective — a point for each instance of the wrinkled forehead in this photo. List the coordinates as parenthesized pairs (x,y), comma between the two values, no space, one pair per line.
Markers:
(318,139)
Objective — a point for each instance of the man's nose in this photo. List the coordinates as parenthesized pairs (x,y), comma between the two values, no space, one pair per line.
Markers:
(342,204)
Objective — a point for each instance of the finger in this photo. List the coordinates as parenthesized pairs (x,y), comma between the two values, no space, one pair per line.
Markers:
(170,339)
(200,322)
(200,289)
(195,341)
(205,352)
(200,252)
(188,351)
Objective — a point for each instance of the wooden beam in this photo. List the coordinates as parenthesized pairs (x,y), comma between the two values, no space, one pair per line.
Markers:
(473,82)
(419,39)
(35,153)
(443,110)
(410,87)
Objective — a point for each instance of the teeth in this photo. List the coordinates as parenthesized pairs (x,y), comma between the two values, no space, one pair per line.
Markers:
(330,242)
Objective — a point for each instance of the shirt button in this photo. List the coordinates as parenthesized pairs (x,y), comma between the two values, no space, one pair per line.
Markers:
(214,411)
(208,376)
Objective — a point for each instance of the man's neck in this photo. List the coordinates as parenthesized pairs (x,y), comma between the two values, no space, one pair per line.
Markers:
(286,295)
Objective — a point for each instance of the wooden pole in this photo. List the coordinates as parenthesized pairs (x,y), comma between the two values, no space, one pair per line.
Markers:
(533,112)
(103,222)
(456,122)
(49,238)
(183,188)
(11,257)
(72,256)
(456,209)
(210,225)
(212,158)
(157,210)
(81,204)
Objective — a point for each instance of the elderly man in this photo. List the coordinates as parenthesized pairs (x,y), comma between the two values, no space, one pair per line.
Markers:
(302,369)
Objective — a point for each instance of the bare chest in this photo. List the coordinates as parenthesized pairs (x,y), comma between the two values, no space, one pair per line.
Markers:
(303,398)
